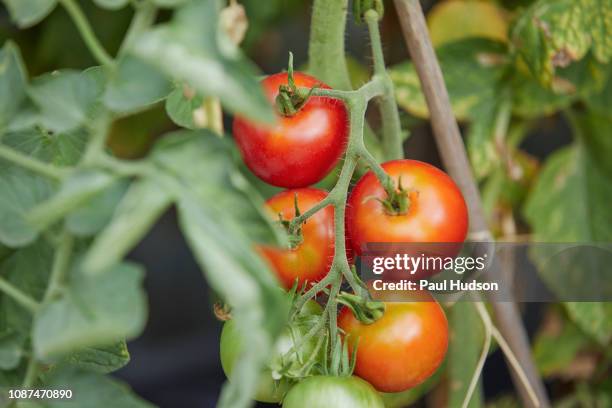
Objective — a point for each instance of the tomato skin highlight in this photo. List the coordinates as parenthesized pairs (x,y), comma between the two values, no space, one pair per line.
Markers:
(437,211)
(310,260)
(403,348)
(299,150)
(336,392)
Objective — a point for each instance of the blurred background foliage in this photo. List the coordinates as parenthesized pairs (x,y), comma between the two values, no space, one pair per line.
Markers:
(530,83)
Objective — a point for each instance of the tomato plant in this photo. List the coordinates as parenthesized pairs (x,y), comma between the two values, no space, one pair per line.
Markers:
(91,159)
(301,147)
(309,258)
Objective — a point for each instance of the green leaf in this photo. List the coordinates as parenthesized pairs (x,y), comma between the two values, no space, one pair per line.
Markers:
(28,269)
(103,360)
(221,218)
(531,99)
(213,177)
(243,280)
(582,78)
(134,85)
(13,79)
(27,13)
(465,346)
(180,107)
(472,69)
(602,100)
(96,213)
(91,390)
(554,350)
(570,203)
(169,3)
(111,4)
(480,142)
(594,129)
(92,311)
(579,80)
(570,200)
(210,63)
(600,23)
(19,192)
(555,33)
(595,318)
(75,191)
(63,149)
(11,350)
(79,93)
(9,379)
(139,209)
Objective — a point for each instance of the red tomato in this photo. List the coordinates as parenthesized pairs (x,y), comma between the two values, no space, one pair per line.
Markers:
(437,211)
(298,150)
(310,260)
(401,349)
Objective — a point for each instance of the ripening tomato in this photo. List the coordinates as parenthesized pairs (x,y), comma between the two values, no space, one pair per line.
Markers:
(436,213)
(270,387)
(297,150)
(336,392)
(310,260)
(401,349)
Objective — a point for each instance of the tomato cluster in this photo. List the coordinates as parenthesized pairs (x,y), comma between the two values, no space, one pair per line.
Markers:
(408,343)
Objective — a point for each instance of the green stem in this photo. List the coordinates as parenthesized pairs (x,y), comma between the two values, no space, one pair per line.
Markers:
(316,328)
(369,90)
(18,295)
(327,61)
(60,268)
(371,18)
(29,380)
(391,127)
(502,120)
(326,54)
(385,180)
(92,42)
(312,292)
(61,262)
(297,221)
(97,142)
(144,17)
(128,168)
(332,310)
(29,163)
(356,102)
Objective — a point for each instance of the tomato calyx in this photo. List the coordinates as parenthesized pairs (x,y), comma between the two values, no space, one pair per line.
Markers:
(290,99)
(294,233)
(364,309)
(397,201)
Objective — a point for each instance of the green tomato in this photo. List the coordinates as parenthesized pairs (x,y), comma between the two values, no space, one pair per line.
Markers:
(337,392)
(270,387)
